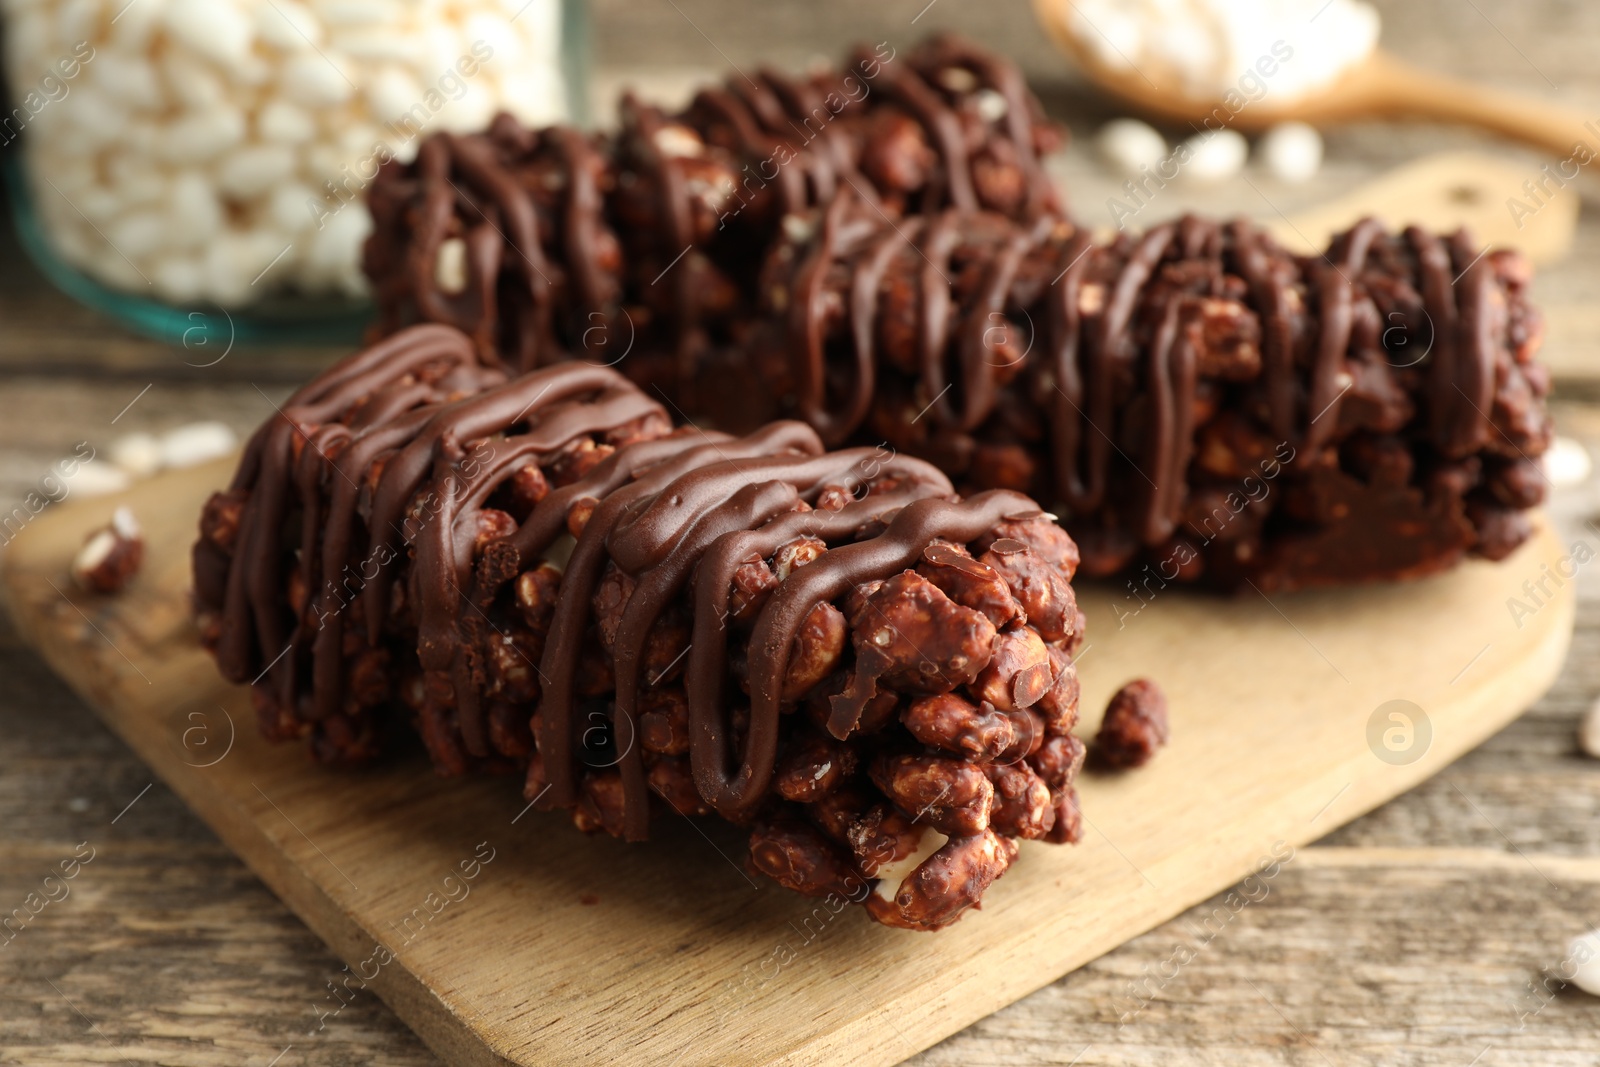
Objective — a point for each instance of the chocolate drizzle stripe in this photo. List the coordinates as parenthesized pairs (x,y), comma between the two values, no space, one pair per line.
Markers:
(941,237)
(559,663)
(911,530)
(938,119)
(584,215)
(391,459)
(1171,379)
(1333,310)
(1131,351)
(754,143)
(1268,295)
(660,529)
(807,328)
(1070,383)
(1006,79)
(734,793)
(1438,295)
(1477,383)
(613,402)
(535,209)
(252,631)
(833,165)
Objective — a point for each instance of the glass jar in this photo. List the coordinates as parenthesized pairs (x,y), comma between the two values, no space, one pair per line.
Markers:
(183,156)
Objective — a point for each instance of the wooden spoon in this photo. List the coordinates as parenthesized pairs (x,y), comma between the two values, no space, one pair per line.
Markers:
(1382,86)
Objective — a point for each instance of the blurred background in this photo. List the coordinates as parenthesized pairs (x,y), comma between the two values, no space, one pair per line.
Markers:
(1540,50)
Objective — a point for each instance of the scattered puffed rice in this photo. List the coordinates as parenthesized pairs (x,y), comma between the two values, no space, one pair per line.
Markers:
(137,453)
(1583,955)
(1292,151)
(992,105)
(1215,156)
(1130,145)
(190,445)
(111,555)
(1567,463)
(93,478)
(1589,731)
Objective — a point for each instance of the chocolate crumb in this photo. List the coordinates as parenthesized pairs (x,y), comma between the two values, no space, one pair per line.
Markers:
(1135,725)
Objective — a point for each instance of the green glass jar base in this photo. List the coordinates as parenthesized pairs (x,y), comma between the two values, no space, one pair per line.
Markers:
(279,318)
(282,319)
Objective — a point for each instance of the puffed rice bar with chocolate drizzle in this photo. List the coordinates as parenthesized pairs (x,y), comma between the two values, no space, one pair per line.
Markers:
(538,574)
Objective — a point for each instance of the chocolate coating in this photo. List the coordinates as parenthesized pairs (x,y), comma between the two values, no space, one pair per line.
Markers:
(575,246)
(876,251)
(1110,375)
(367,461)
(551,579)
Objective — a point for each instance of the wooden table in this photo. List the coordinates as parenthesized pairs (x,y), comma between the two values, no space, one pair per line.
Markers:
(1416,935)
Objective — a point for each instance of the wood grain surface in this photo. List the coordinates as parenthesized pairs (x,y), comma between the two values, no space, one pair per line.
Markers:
(1415,935)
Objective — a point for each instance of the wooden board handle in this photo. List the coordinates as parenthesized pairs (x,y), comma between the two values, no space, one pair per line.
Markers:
(1397,88)
(1443,193)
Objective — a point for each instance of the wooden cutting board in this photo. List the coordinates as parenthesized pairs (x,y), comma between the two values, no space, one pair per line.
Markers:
(561,949)
(1441,193)
(1444,193)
